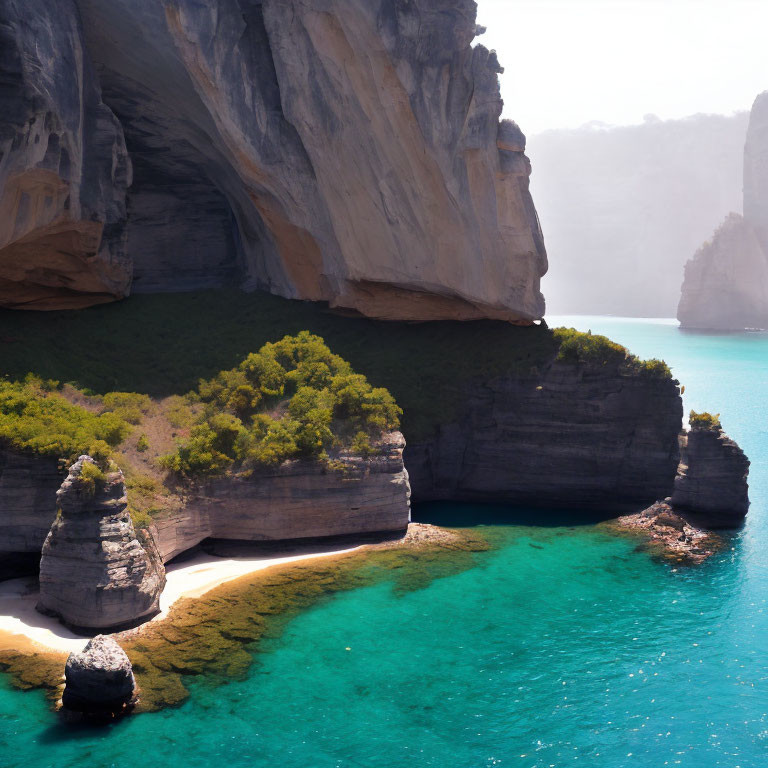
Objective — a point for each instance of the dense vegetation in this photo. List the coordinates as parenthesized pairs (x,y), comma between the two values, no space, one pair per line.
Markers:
(578,347)
(35,417)
(163,344)
(291,399)
(705,421)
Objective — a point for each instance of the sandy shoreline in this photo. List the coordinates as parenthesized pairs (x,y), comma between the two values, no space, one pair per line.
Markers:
(22,628)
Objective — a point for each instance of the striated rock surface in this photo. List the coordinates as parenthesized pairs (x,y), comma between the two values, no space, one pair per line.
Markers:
(570,436)
(64,168)
(726,282)
(99,679)
(711,487)
(94,572)
(296,500)
(348,151)
(28,486)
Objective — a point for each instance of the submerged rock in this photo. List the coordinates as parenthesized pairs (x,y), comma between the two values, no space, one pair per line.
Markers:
(99,679)
(711,485)
(94,572)
(670,535)
(710,493)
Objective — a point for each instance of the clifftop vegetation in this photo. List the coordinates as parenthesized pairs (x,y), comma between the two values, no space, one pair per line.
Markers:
(291,399)
(705,421)
(579,347)
(163,344)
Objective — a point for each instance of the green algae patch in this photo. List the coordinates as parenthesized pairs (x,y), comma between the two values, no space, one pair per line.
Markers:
(213,639)
(35,671)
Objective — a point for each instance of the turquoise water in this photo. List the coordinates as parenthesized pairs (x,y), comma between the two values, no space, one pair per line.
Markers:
(564,647)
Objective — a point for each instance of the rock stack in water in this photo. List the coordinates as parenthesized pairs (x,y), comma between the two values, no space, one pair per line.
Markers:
(99,679)
(94,572)
(711,485)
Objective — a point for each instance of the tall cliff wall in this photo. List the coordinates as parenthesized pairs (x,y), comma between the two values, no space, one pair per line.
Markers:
(348,151)
(64,168)
(726,282)
(568,436)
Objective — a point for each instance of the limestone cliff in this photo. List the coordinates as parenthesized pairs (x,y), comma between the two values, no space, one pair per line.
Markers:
(94,572)
(348,151)
(296,500)
(64,168)
(726,282)
(299,499)
(568,436)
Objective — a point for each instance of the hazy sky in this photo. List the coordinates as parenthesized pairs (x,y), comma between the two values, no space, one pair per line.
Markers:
(569,62)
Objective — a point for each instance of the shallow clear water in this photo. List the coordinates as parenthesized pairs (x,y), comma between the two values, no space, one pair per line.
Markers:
(564,647)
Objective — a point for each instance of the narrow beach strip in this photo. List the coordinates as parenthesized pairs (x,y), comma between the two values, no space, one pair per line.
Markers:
(22,628)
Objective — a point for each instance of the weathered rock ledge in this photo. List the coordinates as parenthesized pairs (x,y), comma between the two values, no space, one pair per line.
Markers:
(296,500)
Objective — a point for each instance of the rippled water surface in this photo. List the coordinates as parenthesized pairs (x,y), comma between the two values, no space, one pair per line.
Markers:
(563,647)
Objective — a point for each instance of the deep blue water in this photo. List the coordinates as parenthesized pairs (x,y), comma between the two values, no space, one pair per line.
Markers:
(563,647)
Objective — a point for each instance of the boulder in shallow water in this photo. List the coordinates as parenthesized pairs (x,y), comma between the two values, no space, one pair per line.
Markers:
(99,679)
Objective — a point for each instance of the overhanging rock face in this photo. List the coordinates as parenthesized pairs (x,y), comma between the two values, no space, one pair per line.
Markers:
(348,151)
(64,169)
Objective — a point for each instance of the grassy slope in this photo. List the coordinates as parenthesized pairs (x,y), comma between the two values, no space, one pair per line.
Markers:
(163,344)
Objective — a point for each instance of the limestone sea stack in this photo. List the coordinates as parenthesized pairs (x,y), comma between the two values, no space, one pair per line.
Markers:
(711,487)
(99,679)
(94,572)
(726,282)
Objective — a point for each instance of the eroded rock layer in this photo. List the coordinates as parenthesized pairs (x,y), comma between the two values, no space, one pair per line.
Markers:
(64,169)
(94,571)
(571,436)
(297,500)
(348,151)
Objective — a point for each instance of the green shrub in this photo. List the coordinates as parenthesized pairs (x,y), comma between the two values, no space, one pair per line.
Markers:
(317,401)
(142,444)
(129,406)
(92,478)
(36,419)
(579,347)
(705,421)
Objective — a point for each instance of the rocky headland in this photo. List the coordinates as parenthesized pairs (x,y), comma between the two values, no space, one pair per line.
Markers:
(726,283)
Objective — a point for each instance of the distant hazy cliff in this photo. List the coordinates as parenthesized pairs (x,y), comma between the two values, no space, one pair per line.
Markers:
(623,208)
(726,282)
(339,150)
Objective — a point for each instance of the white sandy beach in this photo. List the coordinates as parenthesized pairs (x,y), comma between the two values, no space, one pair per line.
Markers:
(23,628)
